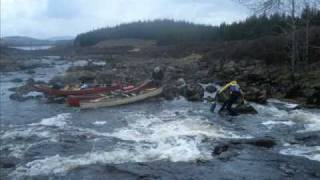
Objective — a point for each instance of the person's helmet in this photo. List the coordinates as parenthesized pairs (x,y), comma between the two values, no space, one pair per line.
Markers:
(157,69)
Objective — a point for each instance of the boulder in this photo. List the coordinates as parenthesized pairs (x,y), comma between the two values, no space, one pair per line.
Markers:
(170,92)
(220,149)
(294,92)
(256,95)
(245,109)
(314,99)
(181,83)
(193,92)
(211,89)
(266,142)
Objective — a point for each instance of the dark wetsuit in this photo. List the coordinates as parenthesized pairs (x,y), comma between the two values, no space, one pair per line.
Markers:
(157,77)
(234,97)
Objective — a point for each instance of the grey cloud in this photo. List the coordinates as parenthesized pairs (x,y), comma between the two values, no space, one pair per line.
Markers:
(70,17)
(63,9)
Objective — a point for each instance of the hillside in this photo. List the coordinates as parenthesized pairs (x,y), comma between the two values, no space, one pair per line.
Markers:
(29,41)
(180,32)
(24,41)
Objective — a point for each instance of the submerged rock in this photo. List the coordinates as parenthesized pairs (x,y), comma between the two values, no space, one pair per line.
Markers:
(16,80)
(8,162)
(308,138)
(220,149)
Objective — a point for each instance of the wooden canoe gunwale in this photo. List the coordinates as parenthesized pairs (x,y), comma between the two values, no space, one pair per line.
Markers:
(120,101)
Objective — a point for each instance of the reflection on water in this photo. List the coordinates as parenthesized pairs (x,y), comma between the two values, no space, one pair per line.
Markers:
(33,48)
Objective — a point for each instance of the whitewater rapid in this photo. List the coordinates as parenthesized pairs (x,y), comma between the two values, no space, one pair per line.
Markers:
(54,139)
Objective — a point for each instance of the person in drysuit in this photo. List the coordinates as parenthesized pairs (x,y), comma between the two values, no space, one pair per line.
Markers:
(234,96)
(157,76)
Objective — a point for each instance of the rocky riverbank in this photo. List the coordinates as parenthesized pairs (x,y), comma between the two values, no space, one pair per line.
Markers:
(117,143)
(183,76)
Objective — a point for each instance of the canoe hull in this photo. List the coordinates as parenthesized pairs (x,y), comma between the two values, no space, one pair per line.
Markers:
(120,101)
(58,92)
(74,100)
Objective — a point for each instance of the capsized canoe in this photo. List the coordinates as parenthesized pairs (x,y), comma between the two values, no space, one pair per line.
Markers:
(109,102)
(61,92)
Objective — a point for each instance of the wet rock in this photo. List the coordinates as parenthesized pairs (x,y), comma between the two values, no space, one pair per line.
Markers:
(256,95)
(18,97)
(31,71)
(294,92)
(314,99)
(181,83)
(23,93)
(211,89)
(230,67)
(8,162)
(220,149)
(287,169)
(170,92)
(255,77)
(262,142)
(16,80)
(308,138)
(210,99)
(265,142)
(245,109)
(23,97)
(194,92)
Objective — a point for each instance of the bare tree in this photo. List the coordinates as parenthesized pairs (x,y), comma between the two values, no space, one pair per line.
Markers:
(289,7)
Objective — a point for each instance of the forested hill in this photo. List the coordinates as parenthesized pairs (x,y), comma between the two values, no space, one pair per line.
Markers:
(169,31)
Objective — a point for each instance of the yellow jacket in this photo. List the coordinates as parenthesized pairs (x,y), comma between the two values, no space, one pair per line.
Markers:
(232,83)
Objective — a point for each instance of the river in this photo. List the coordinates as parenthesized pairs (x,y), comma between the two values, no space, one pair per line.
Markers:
(153,139)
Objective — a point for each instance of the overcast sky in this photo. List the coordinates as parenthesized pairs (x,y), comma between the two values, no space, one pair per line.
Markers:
(49,18)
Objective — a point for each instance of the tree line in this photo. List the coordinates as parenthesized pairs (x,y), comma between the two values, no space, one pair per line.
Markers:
(169,31)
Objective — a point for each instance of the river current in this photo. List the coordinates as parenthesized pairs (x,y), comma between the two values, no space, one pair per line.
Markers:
(53,139)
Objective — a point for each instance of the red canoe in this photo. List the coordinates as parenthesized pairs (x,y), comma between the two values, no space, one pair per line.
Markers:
(61,92)
(74,100)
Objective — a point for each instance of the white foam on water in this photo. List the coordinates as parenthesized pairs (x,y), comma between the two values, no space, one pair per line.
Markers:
(15,150)
(181,150)
(270,124)
(59,120)
(159,128)
(26,133)
(310,152)
(270,111)
(273,116)
(288,105)
(99,123)
(312,120)
(33,94)
(37,129)
(168,136)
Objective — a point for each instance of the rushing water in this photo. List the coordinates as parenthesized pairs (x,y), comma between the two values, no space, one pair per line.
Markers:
(52,139)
